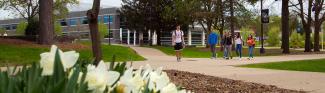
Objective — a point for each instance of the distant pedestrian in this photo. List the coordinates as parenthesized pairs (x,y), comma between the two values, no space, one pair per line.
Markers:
(5,34)
(178,42)
(239,45)
(251,45)
(228,43)
(213,41)
(223,45)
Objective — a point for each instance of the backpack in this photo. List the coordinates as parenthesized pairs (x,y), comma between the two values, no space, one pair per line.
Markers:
(181,38)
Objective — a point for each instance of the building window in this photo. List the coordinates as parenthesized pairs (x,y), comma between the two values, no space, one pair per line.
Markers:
(63,23)
(111,19)
(7,27)
(73,22)
(99,19)
(85,20)
(106,19)
(14,26)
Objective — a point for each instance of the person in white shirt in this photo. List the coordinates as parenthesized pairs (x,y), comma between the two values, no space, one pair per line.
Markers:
(5,34)
(239,45)
(178,42)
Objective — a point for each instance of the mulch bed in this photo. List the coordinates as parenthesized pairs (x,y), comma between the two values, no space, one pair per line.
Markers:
(200,83)
(25,43)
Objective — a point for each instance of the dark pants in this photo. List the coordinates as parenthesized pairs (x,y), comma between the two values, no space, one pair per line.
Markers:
(239,50)
(213,50)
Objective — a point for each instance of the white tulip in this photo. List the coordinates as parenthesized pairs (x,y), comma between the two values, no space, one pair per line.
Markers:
(130,83)
(146,72)
(99,77)
(158,81)
(47,61)
(170,88)
(113,77)
(68,59)
(162,81)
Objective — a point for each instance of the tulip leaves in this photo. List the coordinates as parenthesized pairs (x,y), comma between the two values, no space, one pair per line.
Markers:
(81,77)
(29,79)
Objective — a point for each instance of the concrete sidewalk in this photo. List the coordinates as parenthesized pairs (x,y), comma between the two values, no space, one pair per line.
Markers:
(307,81)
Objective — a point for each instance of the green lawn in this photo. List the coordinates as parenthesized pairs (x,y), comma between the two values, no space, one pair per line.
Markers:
(304,65)
(201,52)
(16,55)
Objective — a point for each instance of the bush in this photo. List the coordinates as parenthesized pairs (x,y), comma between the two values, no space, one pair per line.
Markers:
(57,29)
(2,31)
(273,37)
(103,30)
(297,40)
(21,28)
(245,32)
(32,28)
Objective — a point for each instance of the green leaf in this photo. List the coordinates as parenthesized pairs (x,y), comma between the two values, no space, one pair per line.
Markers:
(58,73)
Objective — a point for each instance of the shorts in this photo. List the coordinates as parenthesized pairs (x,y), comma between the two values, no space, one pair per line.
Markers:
(178,47)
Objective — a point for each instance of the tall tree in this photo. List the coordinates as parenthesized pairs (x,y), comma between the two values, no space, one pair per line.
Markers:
(92,16)
(46,22)
(285,26)
(232,19)
(29,9)
(306,19)
(319,18)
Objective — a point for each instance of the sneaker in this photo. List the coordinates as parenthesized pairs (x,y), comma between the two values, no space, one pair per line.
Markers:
(239,59)
(178,59)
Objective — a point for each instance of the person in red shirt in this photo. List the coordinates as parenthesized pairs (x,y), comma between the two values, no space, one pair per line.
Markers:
(251,45)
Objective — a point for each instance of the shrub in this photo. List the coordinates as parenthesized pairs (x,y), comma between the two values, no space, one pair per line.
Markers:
(103,30)
(21,28)
(297,40)
(57,29)
(2,31)
(273,36)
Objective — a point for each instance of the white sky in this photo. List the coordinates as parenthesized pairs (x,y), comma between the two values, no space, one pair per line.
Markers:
(275,8)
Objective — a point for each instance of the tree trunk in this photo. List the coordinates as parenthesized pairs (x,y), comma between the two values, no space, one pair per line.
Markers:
(307,40)
(140,38)
(232,23)
(46,24)
(316,36)
(92,15)
(285,26)
(158,37)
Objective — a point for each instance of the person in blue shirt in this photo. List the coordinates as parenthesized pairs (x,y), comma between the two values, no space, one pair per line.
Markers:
(213,41)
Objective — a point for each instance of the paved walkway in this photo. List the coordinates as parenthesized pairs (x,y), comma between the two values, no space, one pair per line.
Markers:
(307,81)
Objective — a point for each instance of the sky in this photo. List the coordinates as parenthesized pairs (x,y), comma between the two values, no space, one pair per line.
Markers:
(275,7)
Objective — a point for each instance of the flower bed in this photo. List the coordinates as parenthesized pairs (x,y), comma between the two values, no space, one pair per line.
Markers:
(199,83)
(59,72)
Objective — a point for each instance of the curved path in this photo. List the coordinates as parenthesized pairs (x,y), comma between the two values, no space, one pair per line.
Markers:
(307,81)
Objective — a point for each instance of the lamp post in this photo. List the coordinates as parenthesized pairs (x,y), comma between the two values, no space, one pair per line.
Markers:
(262,50)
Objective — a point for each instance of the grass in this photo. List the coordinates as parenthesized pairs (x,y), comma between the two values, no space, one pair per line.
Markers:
(304,65)
(16,55)
(202,52)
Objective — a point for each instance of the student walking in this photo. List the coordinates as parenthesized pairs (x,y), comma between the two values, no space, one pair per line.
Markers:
(228,44)
(239,45)
(213,40)
(251,45)
(178,42)
(223,45)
